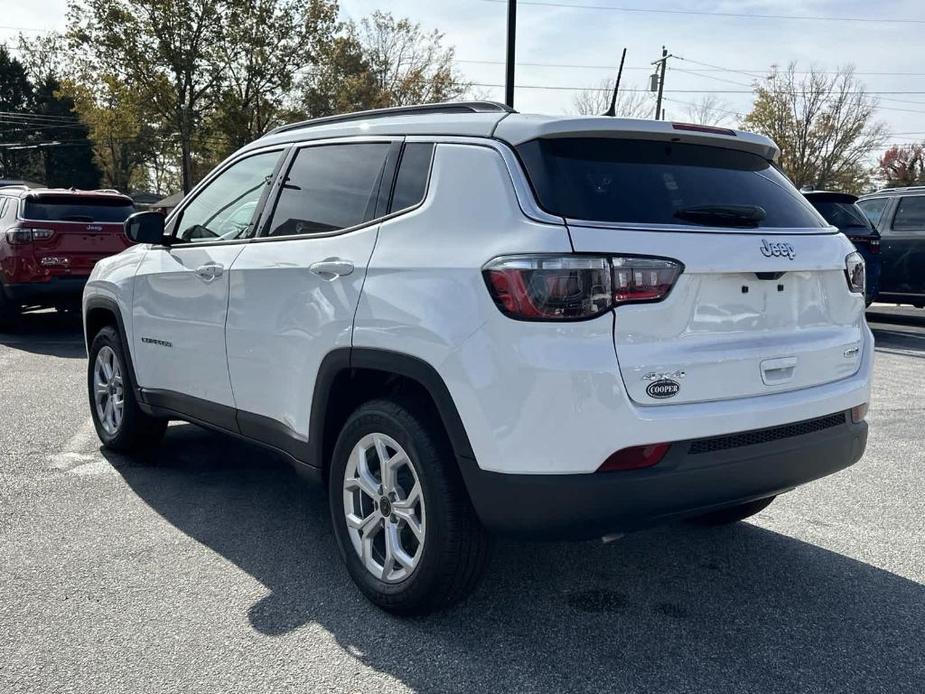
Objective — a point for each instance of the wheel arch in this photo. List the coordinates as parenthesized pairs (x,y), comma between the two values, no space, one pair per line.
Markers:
(376,372)
(100,312)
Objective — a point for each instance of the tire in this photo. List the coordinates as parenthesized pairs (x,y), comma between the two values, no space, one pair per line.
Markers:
(134,429)
(448,562)
(733,514)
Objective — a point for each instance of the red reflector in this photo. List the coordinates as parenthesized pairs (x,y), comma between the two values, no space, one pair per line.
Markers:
(694,127)
(858,413)
(635,458)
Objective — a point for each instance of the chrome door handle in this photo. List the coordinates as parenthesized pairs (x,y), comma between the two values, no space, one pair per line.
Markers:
(331,268)
(209,271)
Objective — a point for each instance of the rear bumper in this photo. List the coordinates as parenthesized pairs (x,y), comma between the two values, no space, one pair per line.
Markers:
(695,476)
(56,290)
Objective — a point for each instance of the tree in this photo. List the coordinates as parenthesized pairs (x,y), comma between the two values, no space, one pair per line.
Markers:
(71,163)
(709,110)
(17,100)
(115,114)
(341,81)
(823,123)
(596,101)
(167,50)
(903,165)
(264,45)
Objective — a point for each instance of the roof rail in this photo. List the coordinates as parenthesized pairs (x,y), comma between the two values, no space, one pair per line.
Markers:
(901,189)
(15,186)
(443,107)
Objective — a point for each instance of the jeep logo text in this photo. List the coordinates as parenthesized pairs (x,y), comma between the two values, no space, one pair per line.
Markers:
(777,249)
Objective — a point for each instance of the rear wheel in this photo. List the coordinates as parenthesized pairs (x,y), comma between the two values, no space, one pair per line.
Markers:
(403,521)
(120,423)
(733,514)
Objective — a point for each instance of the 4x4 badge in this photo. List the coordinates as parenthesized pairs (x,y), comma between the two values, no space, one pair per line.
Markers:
(777,249)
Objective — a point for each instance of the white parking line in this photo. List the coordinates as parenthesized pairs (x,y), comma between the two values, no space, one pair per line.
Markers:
(77,456)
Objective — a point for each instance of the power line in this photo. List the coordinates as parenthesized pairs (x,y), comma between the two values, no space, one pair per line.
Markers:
(740,15)
(756,72)
(680,91)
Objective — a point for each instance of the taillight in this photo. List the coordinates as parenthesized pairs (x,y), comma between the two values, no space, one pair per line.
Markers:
(575,287)
(635,458)
(874,246)
(854,272)
(19,236)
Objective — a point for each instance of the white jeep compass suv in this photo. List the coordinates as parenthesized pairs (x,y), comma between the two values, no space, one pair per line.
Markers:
(466,320)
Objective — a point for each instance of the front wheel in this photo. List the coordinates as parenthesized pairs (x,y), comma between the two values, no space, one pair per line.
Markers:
(733,514)
(403,521)
(120,423)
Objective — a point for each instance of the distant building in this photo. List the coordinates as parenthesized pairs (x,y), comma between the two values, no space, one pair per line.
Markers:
(167,204)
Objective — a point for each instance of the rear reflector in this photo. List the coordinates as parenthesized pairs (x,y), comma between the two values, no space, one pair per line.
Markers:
(635,458)
(858,413)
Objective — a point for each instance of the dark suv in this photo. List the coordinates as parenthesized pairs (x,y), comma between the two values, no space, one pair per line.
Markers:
(50,239)
(841,211)
(899,215)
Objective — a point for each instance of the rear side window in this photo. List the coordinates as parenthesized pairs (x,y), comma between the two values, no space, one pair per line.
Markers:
(650,182)
(328,188)
(840,214)
(910,215)
(413,172)
(73,208)
(873,209)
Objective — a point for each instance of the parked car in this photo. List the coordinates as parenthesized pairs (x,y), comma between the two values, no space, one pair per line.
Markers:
(898,214)
(50,239)
(468,321)
(840,210)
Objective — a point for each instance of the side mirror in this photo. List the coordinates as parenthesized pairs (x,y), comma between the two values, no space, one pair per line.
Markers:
(146,227)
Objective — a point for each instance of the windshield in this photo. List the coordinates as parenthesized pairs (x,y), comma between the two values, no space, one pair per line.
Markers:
(657,182)
(840,214)
(72,208)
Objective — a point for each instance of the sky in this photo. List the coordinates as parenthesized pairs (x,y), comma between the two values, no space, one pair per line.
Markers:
(717,52)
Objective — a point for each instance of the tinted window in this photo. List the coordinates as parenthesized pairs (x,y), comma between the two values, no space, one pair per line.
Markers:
(224,209)
(910,214)
(72,208)
(840,214)
(648,182)
(873,209)
(329,187)
(413,171)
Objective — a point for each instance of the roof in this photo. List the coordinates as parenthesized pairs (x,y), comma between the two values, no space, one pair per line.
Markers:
(886,192)
(169,201)
(22,191)
(488,119)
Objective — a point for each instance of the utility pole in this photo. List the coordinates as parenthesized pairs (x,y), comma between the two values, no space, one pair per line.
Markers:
(511,35)
(661,64)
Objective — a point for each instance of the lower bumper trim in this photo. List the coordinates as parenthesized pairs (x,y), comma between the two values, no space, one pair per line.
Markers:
(585,506)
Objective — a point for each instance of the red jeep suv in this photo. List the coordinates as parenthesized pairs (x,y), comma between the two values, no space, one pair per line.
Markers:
(50,239)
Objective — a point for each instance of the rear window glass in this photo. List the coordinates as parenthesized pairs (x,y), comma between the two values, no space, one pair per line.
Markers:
(840,214)
(72,208)
(649,182)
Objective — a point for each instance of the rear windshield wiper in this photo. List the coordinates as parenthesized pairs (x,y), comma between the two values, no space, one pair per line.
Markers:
(723,215)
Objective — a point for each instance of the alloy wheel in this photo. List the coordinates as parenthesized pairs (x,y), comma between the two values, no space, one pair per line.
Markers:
(384,508)
(108,390)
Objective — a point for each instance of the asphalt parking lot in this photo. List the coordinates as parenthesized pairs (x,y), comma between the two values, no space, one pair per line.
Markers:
(210,567)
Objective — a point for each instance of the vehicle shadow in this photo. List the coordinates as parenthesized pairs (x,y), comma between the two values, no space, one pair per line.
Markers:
(49,332)
(673,609)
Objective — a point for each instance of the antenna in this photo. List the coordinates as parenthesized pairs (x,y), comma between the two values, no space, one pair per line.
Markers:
(612,111)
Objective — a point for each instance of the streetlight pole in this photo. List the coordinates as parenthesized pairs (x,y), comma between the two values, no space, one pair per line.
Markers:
(511,35)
